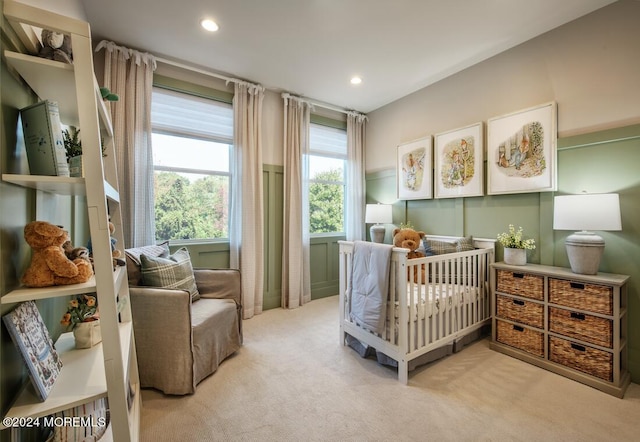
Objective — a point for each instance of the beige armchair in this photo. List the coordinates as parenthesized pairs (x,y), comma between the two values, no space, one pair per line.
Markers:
(180,342)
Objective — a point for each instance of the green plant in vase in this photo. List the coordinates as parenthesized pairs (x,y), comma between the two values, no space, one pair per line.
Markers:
(72,142)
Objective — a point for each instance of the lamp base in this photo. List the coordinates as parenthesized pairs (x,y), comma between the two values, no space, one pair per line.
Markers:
(584,250)
(377,232)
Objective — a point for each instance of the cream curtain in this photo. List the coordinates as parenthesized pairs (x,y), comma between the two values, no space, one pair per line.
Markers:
(129,74)
(296,285)
(355,199)
(246,229)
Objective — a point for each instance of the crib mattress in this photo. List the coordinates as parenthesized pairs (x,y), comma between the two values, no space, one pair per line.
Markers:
(425,300)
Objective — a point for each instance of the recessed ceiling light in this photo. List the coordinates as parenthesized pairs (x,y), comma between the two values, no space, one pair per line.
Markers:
(209,25)
(356,80)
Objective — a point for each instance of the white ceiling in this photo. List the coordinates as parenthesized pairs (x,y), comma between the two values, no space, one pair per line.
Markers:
(313,47)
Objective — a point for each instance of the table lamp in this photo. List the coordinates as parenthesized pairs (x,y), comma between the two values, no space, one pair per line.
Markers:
(378,214)
(586,213)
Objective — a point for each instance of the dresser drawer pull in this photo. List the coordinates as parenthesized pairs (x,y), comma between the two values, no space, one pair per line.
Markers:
(518,328)
(577,285)
(518,302)
(518,275)
(578,347)
(579,316)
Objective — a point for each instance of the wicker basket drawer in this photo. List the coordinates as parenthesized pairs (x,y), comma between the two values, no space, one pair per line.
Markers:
(521,284)
(591,297)
(522,338)
(587,328)
(517,310)
(589,360)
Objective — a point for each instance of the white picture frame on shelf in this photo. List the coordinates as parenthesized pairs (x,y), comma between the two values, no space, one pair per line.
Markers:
(414,170)
(522,151)
(459,162)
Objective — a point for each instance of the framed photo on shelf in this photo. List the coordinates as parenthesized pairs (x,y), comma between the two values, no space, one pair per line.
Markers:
(522,151)
(31,336)
(459,166)
(414,163)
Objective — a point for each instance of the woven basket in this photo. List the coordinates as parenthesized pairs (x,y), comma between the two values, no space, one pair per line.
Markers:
(589,360)
(521,284)
(587,328)
(517,310)
(591,297)
(519,337)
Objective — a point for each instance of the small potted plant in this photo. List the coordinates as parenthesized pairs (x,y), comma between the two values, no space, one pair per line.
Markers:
(515,246)
(73,147)
(83,319)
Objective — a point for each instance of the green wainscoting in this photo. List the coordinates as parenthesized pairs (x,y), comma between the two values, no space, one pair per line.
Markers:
(273,185)
(208,255)
(323,255)
(599,162)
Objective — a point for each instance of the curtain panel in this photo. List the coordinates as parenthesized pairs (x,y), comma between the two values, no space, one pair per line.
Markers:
(296,279)
(129,74)
(246,226)
(355,198)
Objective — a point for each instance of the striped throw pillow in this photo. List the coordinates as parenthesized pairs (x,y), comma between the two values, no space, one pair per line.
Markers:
(172,272)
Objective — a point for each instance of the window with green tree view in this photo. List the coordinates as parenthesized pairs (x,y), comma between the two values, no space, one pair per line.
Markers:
(192,145)
(327,182)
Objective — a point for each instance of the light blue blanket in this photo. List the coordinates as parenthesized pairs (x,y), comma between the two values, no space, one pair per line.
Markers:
(370,284)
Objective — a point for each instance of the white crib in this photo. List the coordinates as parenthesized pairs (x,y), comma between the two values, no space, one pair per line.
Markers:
(453,301)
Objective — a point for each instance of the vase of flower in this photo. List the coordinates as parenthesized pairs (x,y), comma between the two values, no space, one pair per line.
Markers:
(87,334)
(515,246)
(514,256)
(82,318)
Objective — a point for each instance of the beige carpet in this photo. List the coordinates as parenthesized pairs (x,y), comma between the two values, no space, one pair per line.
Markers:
(292,381)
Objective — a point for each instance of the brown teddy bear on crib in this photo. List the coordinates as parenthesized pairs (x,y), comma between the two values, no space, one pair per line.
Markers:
(49,264)
(410,239)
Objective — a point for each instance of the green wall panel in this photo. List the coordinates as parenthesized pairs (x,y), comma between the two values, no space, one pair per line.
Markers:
(273,183)
(323,256)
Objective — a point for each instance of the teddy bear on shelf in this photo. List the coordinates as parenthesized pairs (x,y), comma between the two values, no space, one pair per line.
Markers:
(49,265)
(56,46)
(408,238)
(115,253)
(72,252)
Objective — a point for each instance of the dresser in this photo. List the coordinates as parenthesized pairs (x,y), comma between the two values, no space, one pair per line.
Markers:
(573,325)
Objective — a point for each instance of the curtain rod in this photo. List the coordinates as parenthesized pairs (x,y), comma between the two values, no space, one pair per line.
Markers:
(323,105)
(194,69)
(225,78)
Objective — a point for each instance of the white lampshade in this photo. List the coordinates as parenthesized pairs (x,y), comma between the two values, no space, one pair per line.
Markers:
(378,213)
(585,213)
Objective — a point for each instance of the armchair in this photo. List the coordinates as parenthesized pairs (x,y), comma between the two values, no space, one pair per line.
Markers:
(196,335)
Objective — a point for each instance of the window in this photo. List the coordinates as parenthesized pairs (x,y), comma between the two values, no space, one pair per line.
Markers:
(327,179)
(192,143)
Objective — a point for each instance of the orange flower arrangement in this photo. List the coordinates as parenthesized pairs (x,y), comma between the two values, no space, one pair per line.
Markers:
(84,308)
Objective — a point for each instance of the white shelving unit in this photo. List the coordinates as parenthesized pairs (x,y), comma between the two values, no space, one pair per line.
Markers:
(108,369)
